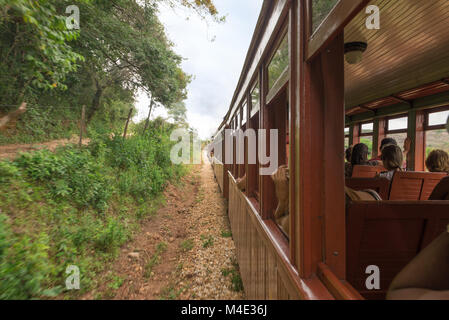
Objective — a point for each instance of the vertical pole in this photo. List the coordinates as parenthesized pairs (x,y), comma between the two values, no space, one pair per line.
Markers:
(83,113)
(127,122)
(148,118)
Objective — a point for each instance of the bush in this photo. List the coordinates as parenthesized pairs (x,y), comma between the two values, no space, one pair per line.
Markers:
(76,206)
(24,263)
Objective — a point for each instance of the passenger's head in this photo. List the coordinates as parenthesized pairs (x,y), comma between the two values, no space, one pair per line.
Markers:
(392,157)
(386,142)
(348,154)
(359,154)
(438,161)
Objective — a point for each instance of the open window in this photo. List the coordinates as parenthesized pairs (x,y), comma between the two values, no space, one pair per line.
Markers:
(436,136)
(254,124)
(346,137)
(276,116)
(397,128)
(366,136)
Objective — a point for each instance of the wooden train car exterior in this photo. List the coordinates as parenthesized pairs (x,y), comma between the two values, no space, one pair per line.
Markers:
(311,99)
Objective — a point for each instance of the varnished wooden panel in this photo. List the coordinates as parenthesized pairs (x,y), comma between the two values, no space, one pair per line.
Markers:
(218,170)
(410,49)
(264,270)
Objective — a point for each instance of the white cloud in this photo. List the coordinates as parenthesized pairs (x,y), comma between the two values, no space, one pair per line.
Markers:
(215,65)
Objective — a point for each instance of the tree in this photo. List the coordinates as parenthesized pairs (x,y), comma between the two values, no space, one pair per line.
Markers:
(178,112)
(34,50)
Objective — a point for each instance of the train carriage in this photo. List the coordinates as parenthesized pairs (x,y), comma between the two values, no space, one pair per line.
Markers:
(326,74)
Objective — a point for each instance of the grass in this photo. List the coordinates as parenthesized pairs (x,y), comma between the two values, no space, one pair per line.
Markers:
(155,259)
(77,206)
(116,282)
(234,274)
(208,241)
(186,245)
(226,234)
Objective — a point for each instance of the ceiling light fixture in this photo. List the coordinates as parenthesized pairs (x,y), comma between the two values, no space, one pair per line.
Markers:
(354,51)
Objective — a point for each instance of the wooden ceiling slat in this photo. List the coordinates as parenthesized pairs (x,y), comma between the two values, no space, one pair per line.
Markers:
(410,49)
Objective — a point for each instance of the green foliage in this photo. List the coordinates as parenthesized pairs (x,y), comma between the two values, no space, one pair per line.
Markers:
(23,263)
(186,245)
(35,51)
(7,171)
(236,279)
(208,241)
(320,9)
(72,207)
(226,234)
(69,174)
(155,258)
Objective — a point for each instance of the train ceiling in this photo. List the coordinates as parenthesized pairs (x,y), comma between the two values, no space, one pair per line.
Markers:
(407,58)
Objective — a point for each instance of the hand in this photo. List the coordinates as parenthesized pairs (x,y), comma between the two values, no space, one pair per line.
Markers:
(407,144)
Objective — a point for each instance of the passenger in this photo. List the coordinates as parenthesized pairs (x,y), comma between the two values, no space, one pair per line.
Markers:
(426,276)
(390,141)
(392,161)
(359,156)
(348,167)
(281,215)
(438,161)
(441,191)
(383,143)
(241,183)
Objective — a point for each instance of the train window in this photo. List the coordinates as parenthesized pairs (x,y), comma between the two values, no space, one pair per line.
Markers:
(436,134)
(346,138)
(253,168)
(255,99)
(437,118)
(397,123)
(366,136)
(239,119)
(279,63)
(244,115)
(397,129)
(320,10)
(275,187)
(367,128)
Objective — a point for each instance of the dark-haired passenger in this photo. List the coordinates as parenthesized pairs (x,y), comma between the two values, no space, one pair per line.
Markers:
(392,161)
(383,143)
(390,141)
(348,167)
(359,156)
(438,161)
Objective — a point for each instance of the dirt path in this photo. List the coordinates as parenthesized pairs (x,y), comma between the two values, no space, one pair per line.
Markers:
(185,251)
(10,151)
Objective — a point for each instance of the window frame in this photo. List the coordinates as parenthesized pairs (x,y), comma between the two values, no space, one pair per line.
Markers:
(284,77)
(387,124)
(428,127)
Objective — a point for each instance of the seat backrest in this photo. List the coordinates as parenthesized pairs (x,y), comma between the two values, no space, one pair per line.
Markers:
(430,183)
(388,234)
(360,171)
(380,185)
(411,185)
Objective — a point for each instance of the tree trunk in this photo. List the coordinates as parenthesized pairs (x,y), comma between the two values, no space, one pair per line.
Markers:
(95,102)
(148,118)
(13,115)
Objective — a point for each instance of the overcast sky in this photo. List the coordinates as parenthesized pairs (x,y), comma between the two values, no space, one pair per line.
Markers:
(214,54)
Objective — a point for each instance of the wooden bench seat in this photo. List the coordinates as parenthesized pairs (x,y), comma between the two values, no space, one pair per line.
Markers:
(380,185)
(366,171)
(411,185)
(388,234)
